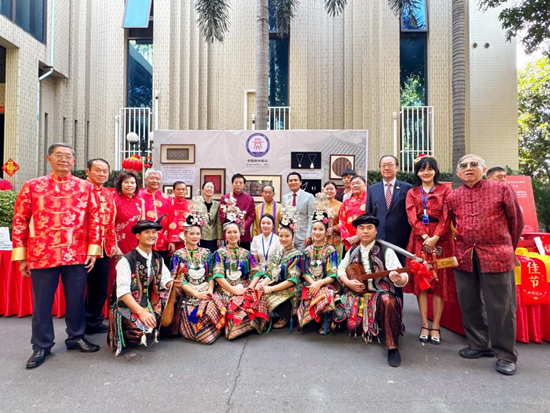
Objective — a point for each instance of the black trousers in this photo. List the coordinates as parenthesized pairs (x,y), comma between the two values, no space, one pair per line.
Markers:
(212,245)
(165,258)
(96,294)
(245,245)
(488,303)
(44,284)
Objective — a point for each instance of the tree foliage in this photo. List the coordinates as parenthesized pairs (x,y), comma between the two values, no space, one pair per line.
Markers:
(534,119)
(527,18)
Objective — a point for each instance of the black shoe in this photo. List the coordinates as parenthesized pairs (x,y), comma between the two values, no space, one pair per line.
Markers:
(84,346)
(435,340)
(38,358)
(506,367)
(424,338)
(100,329)
(471,353)
(394,358)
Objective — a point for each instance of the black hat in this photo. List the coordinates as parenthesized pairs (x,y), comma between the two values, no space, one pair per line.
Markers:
(366,219)
(145,224)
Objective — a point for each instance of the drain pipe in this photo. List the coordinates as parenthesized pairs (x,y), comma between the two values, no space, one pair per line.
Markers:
(40,79)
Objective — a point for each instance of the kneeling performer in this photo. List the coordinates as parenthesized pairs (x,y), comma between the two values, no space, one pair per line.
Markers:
(138,300)
(373,308)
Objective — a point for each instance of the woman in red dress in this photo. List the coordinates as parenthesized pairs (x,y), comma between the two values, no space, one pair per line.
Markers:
(428,214)
(129,209)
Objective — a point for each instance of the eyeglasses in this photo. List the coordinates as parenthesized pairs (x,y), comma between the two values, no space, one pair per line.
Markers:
(387,166)
(59,156)
(466,165)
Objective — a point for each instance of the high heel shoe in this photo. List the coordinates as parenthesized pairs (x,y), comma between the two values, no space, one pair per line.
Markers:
(435,340)
(423,337)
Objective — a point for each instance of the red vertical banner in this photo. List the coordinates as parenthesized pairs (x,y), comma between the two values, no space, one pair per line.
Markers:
(524,191)
(534,282)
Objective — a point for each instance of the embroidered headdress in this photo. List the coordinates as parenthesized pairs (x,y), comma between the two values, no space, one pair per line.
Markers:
(195,217)
(321,213)
(233,214)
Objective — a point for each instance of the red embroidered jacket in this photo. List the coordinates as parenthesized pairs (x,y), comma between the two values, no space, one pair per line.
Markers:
(156,204)
(55,222)
(351,209)
(107,214)
(177,219)
(488,218)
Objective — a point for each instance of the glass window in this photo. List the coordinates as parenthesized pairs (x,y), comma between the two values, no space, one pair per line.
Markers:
(136,14)
(415,19)
(413,71)
(278,71)
(5,8)
(29,15)
(140,73)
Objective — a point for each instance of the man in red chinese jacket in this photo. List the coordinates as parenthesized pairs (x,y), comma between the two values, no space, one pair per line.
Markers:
(352,208)
(156,204)
(56,231)
(246,204)
(98,278)
(178,216)
(488,222)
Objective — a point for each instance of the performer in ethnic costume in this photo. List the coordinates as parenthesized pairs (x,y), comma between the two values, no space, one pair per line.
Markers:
(236,274)
(376,309)
(200,315)
(321,273)
(178,216)
(428,214)
(285,269)
(137,300)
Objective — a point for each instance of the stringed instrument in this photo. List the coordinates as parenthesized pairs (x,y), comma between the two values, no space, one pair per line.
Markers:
(168,312)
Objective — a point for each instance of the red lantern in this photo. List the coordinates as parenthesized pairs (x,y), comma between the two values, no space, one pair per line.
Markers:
(133,163)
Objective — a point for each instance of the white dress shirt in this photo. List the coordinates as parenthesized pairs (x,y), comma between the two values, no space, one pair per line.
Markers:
(392,187)
(391,262)
(124,274)
(264,252)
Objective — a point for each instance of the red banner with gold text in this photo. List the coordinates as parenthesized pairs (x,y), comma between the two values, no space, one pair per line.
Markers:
(534,282)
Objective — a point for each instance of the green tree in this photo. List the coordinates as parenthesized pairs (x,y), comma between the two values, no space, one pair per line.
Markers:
(213,20)
(527,18)
(534,119)
(412,91)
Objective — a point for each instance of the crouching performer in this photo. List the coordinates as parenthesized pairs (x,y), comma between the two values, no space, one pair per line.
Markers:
(139,292)
(374,309)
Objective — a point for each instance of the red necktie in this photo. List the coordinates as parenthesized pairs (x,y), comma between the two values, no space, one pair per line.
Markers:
(388,195)
(294,199)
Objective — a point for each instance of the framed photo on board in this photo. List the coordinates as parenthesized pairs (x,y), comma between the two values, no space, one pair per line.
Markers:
(339,163)
(168,189)
(176,153)
(217,177)
(255,183)
(189,194)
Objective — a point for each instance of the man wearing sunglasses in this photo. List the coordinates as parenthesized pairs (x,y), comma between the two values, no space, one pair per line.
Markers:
(488,222)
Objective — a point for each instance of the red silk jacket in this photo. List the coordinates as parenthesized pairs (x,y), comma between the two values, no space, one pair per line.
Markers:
(105,199)
(55,222)
(156,204)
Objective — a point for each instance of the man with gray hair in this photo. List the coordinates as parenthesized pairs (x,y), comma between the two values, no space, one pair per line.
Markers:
(269,206)
(488,222)
(156,204)
(56,231)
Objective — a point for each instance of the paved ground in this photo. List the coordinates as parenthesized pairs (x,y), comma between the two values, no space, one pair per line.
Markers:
(299,372)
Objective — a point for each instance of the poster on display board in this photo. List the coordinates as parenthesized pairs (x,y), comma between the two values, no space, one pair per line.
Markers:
(524,191)
(265,154)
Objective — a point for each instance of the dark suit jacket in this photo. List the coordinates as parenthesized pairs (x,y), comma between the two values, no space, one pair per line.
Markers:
(394,226)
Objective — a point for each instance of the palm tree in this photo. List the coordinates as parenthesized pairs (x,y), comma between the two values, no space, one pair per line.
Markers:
(213,20)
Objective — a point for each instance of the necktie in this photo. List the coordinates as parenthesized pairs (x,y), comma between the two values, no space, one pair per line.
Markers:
(388,195)
(294,199)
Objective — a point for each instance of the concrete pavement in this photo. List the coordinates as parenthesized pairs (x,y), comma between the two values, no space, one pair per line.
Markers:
(281,372)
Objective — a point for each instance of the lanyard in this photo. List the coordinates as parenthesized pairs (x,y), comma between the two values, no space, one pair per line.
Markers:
(263,246)
(425,199)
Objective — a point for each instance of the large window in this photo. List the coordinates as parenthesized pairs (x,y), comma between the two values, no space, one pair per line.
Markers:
(413,56)
(27,14)
(136,14)
(140,73)
(278,64)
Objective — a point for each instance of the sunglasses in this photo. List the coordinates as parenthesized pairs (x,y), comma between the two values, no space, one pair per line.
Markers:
(465,165)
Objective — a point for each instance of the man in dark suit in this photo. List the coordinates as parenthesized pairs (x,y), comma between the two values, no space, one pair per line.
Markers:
(389,197)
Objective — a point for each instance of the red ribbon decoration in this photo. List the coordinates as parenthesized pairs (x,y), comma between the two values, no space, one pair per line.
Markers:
(422,274)
(534,281)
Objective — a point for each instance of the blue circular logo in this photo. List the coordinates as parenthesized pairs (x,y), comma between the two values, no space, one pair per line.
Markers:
(257,145)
